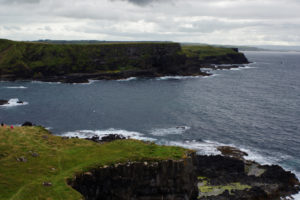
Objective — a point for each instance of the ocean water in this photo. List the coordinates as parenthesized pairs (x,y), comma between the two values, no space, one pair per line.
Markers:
(255,108)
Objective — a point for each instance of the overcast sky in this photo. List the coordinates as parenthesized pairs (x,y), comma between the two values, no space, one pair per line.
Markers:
(239,22)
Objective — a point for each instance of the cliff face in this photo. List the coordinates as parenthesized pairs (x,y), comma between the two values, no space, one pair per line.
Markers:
(195,177)
(56,62)
(169,180)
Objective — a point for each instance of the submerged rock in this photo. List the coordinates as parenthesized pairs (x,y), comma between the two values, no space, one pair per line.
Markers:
(107,138)
(3,102)
(232,152)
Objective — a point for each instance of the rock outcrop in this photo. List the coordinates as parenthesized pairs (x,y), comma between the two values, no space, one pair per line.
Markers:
(153,180)
(195,177)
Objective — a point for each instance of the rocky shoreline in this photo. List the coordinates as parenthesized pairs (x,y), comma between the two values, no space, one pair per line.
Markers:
(223,177)
(85,77)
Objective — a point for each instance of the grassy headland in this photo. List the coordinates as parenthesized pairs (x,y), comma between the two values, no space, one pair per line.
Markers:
(36,60)
(31,157)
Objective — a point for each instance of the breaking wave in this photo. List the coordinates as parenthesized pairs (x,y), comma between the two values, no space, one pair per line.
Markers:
(102,133)
(169,131)
(16,87)
(14,102)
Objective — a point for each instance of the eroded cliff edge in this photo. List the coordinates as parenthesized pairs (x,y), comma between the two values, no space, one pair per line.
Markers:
(194,177)
(80,62)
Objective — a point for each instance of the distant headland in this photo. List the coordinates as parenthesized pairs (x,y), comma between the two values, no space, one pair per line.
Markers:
(77,62)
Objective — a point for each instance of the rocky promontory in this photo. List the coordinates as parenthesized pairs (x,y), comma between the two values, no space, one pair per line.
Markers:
(194,177)
(76,63)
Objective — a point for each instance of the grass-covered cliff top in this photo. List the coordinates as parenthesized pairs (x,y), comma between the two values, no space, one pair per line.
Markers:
(36,60)
(31,156)
(205,51)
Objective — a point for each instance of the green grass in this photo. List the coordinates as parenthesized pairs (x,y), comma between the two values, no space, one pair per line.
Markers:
(202,52)
(60,159)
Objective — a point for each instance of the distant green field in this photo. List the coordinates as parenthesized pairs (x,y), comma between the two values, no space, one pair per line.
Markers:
(205,51)
(52,159)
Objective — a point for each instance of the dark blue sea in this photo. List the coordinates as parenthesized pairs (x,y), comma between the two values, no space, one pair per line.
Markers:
(255,107)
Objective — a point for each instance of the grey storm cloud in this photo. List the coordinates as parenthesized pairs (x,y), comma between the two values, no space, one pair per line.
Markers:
(214,21)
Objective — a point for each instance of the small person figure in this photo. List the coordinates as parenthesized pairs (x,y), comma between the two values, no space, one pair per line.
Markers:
(12,127)
(2,124)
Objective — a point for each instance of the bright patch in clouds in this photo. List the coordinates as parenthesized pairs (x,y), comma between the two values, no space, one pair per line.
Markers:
(242,22)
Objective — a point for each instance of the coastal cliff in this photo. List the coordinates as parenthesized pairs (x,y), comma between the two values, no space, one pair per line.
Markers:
(45,166)
(195,177)
(167,179)
(80,62)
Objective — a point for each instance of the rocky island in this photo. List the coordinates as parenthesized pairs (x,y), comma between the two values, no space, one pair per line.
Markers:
(76,63)
(36,163)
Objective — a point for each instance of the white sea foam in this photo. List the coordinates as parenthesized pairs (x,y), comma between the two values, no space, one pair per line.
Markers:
(90,81)
(16,87)
(102,133)
(169,131)
(211,76)
(176,77)
(241,68)
(43,82)
(297,196)
(14,102)
(203,148)
(128,79)
(208,147)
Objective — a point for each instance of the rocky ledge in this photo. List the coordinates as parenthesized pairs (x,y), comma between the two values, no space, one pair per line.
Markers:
(223,177)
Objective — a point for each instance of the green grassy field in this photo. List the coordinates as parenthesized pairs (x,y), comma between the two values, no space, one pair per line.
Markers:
(205,51)
(53,159)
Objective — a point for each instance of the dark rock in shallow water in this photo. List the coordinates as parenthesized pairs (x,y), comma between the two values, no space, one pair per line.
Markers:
(3,102)
(108,138)
(262,181)
(112,137)
(20,102)
(27,124)
(232,152)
